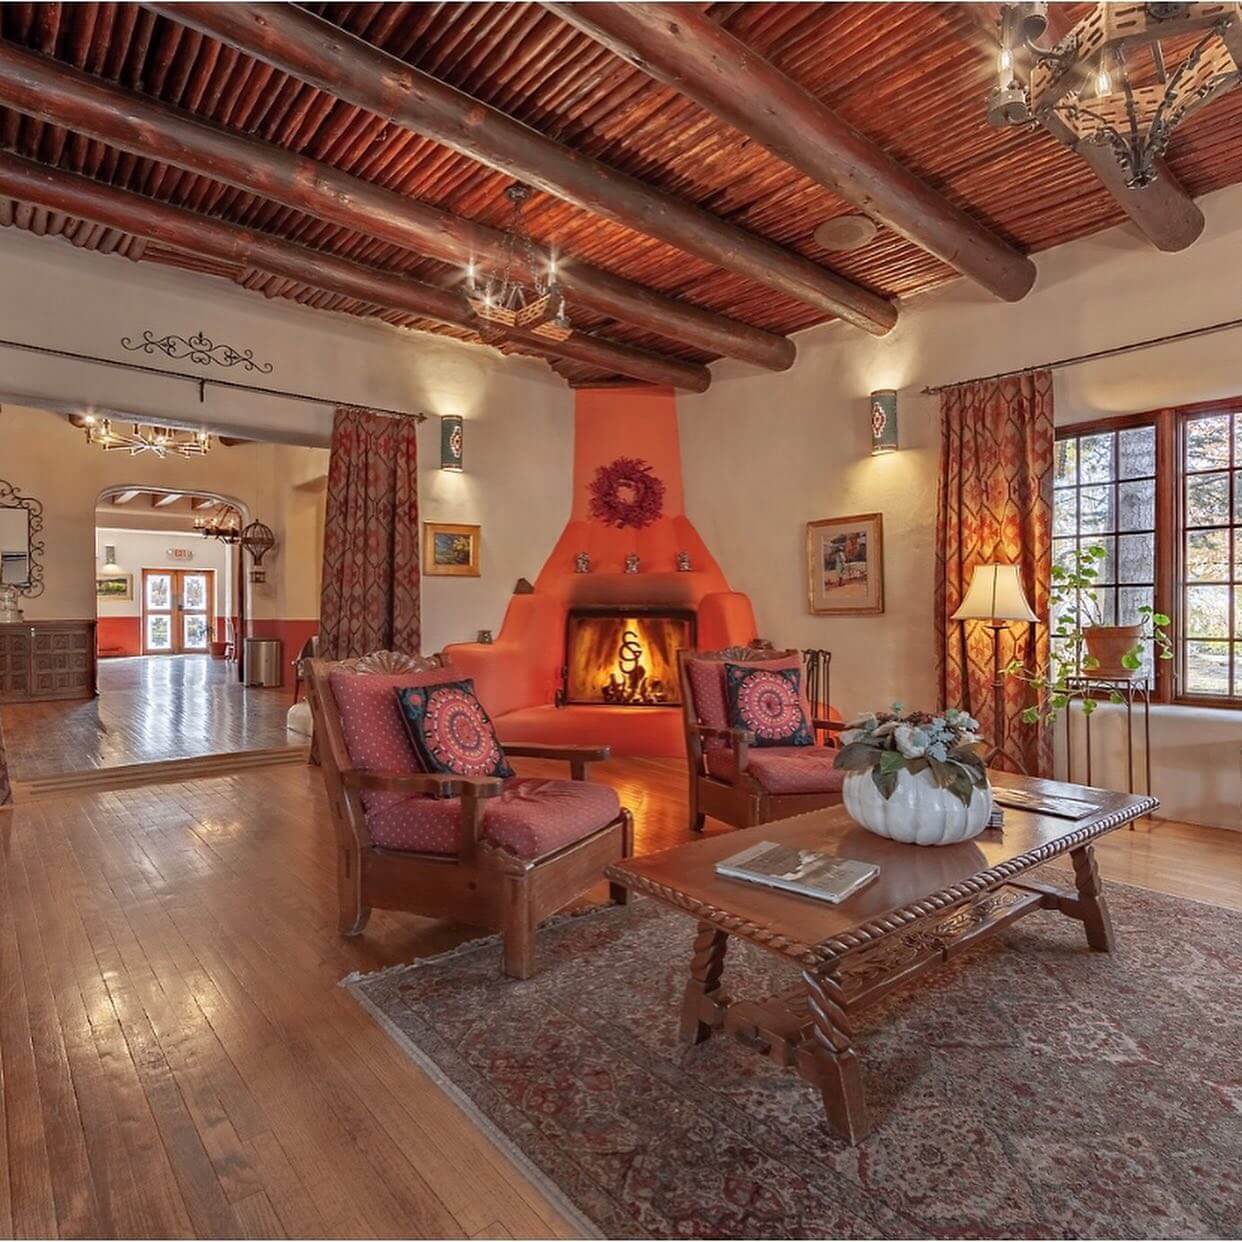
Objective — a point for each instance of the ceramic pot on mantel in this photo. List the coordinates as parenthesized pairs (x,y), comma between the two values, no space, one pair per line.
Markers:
(919,811)
(1108,644)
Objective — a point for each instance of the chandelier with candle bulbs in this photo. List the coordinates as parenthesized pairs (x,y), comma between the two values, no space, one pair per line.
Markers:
(138,438)
(507,300)
(224,523)
(1124,77)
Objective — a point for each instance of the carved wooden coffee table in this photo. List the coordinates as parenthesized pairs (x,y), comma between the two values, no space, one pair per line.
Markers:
(926,906)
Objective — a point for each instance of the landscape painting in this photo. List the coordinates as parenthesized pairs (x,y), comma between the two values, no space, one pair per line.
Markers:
(450,549)
(845,564)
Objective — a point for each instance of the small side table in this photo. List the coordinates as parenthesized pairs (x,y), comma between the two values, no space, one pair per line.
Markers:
(1131,691)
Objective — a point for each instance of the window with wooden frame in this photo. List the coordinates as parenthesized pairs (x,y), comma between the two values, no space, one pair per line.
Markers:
(1161,493)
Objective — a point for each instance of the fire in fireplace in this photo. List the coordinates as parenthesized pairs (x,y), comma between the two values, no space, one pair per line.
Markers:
(625,659)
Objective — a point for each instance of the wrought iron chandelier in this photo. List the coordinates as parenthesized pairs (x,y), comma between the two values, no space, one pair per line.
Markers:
(1094,85)
(223,523)
(505,300)
(138,438)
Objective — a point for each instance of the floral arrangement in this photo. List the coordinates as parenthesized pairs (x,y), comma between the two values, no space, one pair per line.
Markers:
(627,493)
(884,743)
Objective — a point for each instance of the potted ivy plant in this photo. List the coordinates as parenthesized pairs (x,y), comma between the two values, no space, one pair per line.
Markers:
(1082,643)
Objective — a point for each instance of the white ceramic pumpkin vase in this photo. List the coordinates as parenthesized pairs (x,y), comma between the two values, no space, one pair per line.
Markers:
(919,811)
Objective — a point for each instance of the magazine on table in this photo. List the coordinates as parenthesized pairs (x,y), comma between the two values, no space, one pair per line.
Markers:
(808,873)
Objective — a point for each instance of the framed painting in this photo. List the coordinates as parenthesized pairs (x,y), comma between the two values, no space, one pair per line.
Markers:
(845,565)
(450,549)
(114,586)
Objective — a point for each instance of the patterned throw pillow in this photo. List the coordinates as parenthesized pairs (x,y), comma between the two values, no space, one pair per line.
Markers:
(768,703)
(450,731)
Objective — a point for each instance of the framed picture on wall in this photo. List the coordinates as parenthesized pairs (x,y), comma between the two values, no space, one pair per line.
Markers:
(845,565)
(450,549)
(114,586)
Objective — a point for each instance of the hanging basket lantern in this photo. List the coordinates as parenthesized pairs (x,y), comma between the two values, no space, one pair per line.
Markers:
(258,539)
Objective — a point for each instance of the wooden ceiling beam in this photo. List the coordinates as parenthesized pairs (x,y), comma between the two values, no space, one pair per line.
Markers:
(335,61)
(162,500)
(1163,212)
(123,498)
(681,46)
(203,502)
(200,235)
(54,92)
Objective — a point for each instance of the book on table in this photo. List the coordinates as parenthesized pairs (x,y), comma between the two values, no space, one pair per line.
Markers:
(808,873)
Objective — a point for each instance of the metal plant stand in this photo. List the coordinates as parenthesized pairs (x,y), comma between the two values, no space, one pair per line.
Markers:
(1132,691)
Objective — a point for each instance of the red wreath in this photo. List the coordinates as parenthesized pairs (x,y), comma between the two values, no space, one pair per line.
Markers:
(626,493)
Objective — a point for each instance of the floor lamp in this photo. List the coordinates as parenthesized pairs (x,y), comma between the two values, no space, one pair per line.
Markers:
(995,596)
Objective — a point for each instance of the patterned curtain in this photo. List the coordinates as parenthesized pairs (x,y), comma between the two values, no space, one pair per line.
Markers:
(995,506)
(370,598)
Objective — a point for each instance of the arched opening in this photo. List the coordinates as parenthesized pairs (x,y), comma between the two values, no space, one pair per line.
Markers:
(172,609)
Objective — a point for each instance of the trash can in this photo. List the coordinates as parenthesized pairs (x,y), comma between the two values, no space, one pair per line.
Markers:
(264,662)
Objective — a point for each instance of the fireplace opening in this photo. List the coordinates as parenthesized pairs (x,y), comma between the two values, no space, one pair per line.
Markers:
(625,658)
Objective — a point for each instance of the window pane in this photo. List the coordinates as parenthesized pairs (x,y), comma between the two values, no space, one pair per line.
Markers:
(1207,612)
(1066,462)
(1136,505)
(1237,612)
(1062,551)
(1207,668)
(1207,556)
(195,633)
(159,591)
(159,632)
(1064,511)
(1095,458)
(1131,599)
(1095,509)
(1136,452)
(1237,669)
(195,592)
(1106,567)
(1136,558)
(1207,500)
(1207,442)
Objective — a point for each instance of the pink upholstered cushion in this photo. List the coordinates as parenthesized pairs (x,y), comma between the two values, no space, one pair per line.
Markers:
(375,735)
(707,688)
(784,769)
(531,818)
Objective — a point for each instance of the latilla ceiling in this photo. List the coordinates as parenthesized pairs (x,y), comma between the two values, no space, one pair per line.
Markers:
(911,77)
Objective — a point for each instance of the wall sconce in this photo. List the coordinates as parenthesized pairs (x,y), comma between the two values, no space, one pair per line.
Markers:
(884,422)
(452,442)
(110,565)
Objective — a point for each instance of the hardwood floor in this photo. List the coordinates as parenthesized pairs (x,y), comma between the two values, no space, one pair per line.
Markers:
(149,708)
(176,1058)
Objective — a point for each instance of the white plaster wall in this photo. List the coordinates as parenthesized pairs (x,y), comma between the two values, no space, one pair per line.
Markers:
(765,453)
(137,550)
(519,430)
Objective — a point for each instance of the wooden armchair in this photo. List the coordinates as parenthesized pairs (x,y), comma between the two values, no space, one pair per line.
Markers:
(477,854)
(731,778)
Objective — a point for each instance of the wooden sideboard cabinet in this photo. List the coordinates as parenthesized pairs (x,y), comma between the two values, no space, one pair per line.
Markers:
(47,660)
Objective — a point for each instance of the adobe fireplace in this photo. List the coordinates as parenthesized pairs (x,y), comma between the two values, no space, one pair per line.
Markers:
(625,657)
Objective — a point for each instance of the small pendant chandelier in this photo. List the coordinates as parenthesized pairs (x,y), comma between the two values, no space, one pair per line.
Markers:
(138,438)
(1092,86)
(505,301)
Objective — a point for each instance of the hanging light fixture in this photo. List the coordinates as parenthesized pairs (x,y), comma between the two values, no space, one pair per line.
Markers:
(1097,84)
(505,300)
(138,438)
(223,523)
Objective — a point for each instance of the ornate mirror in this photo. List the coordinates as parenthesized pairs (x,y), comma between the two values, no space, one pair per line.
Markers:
(21,549)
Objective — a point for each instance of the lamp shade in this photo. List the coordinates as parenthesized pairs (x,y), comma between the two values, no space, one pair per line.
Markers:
(883,411)
(995,594)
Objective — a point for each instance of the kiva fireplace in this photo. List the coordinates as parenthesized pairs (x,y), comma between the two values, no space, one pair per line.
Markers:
(625,657)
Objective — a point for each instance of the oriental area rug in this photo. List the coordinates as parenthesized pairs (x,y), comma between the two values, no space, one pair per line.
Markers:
(1030,1088)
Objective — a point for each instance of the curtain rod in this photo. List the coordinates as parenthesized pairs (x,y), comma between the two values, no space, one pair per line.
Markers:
(202,381)
(931,390)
